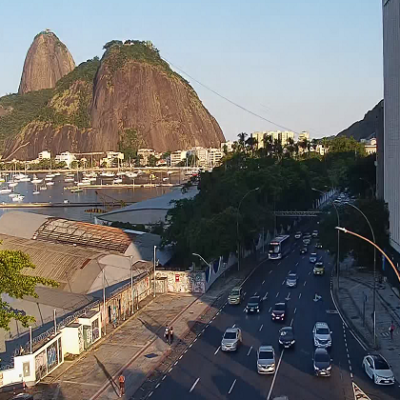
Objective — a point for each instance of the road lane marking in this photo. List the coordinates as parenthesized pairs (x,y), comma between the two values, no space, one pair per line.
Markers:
(270,309)
(244,294)
(309,273)
(297,264)
(261,327)
(288,296)
(263,282)
(305,283)
(216,351)
(150,394)
(233,325)
(265,297)
(291,322)
(251,348)
(275,375)
(299,295)
(283,282)
(279,263)
(255,294)
(194,385)
(295,309)
(277,294)
(270,272)
(158,385)
(244,309)
(164,377)
(233,385)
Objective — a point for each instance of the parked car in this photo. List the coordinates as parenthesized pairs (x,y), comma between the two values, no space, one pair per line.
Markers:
(232,339)
(279,312)
(322,335)
(378,369)
(236,295)
(318,245)
(319,268)
(315,233)
(291,280)
(303,250)
(322,362)
(254,304)
(298,235)
(265,360)
(307,241)
(286,337)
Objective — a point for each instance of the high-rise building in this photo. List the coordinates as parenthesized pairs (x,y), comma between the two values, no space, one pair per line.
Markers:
(391,72)
(303,136)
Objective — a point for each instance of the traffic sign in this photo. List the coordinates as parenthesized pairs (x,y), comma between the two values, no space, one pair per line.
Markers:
(359,394)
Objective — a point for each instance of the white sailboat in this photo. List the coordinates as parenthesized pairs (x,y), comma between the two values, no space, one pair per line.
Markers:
(43,188)
(36,180)
(18,197)
(5,191)
(12,184)
(50,183)
(117,180)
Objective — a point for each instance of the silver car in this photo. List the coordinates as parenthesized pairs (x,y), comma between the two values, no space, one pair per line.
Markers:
(232,339)
(322,335)
(265,360)
(291,280)
(313,258)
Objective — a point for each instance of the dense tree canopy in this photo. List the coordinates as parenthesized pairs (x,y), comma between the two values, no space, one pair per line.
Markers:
(16,284)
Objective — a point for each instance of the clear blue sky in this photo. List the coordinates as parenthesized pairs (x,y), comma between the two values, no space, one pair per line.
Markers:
(308,65)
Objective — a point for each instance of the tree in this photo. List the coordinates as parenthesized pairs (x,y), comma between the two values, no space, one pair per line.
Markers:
(378,215)
(16,284)
(242,141)
(152,160)
(74,164)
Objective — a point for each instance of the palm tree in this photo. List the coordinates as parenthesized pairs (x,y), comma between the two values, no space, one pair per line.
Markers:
(242,141)
(268,144)
(289,147)
(303,145)
(251,144)
(278,149)
(314,144)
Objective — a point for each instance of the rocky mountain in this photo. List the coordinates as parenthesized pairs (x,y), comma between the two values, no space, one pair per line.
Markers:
(46,62)
(129,99)
(370,126)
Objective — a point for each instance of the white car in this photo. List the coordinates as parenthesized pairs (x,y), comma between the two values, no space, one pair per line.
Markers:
(313,258)
(231,340)
(266,360)
(377,368)
(322,335)
(298,235)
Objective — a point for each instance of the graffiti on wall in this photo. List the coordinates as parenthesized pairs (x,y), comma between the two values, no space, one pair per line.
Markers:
(52,356)
(183,281)
(80,339)
(40,365)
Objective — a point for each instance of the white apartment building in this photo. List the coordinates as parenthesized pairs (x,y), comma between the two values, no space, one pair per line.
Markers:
(66,157)
(214,157)
(391,74)
(303,136)
(176,157)
(283,136)
(259,136)
(370,145)
(44,155)
(112,155)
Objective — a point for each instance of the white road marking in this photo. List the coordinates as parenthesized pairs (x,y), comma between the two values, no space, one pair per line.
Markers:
(244,309)
(181,357)
(291,322)
(255,294)
(263,282)
(309,273)
(233,325)
(150,394)
(270,272)
(305,283)
(169,371)
(261,327)
(270,309)
(251,348)
(288,296)
(194,385)
(295,309)
(244,294)
(176,362)
(233,384)
(283,282)
(164,377)
(277,294)
(158,385)
(275,375)
(299,295)
(216,351)
(297,264)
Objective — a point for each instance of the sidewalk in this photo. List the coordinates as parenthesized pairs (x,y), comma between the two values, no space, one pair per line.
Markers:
(357,288)
(137,347)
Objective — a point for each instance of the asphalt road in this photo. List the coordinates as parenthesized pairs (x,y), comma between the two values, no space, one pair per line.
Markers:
(205,372)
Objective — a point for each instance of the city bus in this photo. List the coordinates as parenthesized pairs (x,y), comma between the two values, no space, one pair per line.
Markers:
(278,247)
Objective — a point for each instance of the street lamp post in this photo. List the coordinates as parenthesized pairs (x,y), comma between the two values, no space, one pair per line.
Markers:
(374,285)
(237,222)
(338,239)
(131,275)
(201,258)
(377,248)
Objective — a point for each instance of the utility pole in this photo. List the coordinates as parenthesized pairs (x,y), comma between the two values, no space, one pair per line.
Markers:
(104,301)
(154,271)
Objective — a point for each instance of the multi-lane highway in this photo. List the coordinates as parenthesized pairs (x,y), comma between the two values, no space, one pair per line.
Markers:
(205,372)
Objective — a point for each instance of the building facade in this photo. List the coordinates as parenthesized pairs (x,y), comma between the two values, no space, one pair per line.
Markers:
(303,136)
(44,155)
(176,157)
(66,157)
(391,72)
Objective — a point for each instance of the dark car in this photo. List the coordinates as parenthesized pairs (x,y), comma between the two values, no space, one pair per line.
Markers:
(286,337)
(254,304)
(318,245)
(322,362)
(303,250)
(279,312)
